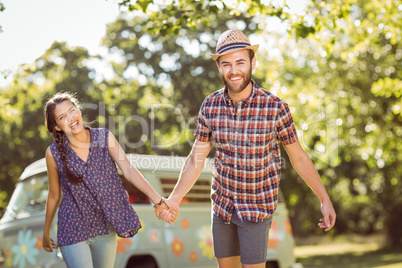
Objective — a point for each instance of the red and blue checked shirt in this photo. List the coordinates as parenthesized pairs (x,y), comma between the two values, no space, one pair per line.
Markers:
(247,160)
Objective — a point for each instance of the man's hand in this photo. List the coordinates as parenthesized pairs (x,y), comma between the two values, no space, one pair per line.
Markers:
(165,210)
(329,216)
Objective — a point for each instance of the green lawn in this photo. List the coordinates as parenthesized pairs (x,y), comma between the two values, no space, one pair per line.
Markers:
(348,253)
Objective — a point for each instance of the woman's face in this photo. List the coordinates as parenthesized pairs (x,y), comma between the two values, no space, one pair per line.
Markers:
(68,118)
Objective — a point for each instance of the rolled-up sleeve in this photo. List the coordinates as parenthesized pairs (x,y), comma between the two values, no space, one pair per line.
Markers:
(285,127)
(202,132)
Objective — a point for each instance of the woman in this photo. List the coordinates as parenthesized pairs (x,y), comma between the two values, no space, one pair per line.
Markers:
(81,168)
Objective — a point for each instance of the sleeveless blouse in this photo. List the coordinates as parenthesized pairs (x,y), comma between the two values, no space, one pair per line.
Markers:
(87,207)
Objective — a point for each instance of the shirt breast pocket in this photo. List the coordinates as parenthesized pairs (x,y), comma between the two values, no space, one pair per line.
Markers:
(258,140)
(221,136)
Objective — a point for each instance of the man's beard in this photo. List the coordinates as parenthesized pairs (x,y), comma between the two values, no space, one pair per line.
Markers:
(237,88)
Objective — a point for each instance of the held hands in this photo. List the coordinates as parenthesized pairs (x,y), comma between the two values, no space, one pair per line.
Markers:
(166,211)
(48,244)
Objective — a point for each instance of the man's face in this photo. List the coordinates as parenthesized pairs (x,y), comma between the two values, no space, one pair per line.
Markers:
(236,70)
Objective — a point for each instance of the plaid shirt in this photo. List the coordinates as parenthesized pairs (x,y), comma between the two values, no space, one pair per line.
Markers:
(247,160)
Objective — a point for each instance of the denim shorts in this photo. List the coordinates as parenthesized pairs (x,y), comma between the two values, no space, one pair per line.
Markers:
(246,239)
(98,252)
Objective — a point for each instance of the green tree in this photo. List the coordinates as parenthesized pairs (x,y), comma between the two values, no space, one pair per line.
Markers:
(2,8)
(169,17)
(24,137)
(353,55)
(179,70)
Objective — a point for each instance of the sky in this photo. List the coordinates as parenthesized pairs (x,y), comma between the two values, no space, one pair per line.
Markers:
(31,26)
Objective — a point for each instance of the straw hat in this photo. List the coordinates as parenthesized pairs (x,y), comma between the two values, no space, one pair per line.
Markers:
(231,41)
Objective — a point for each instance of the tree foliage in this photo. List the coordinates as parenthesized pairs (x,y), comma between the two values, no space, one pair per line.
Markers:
(24,137)
(179,69)
(167,18)
(2,8)
(357,63)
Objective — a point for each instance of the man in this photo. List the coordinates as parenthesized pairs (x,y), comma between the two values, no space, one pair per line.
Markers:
(246,124)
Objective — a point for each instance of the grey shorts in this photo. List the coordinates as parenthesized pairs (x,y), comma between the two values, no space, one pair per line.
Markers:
(249,240)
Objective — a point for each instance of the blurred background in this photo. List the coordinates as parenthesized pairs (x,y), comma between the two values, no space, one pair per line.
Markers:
(336,63)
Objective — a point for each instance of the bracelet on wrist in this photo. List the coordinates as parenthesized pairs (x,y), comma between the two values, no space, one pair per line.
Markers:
(161,202)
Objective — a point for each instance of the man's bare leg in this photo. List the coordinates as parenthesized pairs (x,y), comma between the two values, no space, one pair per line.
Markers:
(229,262)
(258,265)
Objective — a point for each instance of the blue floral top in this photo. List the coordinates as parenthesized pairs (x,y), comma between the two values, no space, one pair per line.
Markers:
(88,206)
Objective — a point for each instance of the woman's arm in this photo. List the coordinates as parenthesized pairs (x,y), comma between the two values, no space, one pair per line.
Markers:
(53,201)
(131,173)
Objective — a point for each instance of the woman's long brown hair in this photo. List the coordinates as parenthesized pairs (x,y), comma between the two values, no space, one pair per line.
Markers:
(60,136)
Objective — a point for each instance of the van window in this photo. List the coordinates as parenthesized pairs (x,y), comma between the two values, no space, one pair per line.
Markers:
(30,195)
(199,193)
(134,195)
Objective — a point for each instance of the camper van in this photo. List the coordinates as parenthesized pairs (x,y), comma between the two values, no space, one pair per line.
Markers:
(185,243)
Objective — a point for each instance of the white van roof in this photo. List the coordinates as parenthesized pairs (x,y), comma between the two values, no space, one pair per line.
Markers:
(34,168)
(140,161)
(163,162)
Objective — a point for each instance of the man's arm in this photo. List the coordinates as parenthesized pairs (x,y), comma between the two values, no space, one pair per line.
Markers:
(304,166)
(191,170)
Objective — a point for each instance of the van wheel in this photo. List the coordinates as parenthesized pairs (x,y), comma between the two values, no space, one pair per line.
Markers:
(271,264)
(142,262)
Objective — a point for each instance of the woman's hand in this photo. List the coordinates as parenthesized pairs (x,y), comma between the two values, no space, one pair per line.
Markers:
(165,210)
(48,244)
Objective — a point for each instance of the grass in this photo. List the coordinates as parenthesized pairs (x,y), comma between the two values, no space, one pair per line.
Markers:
(347,252)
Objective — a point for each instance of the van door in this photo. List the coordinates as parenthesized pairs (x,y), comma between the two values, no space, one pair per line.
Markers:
(189,239)
(146,248)
(21,228)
